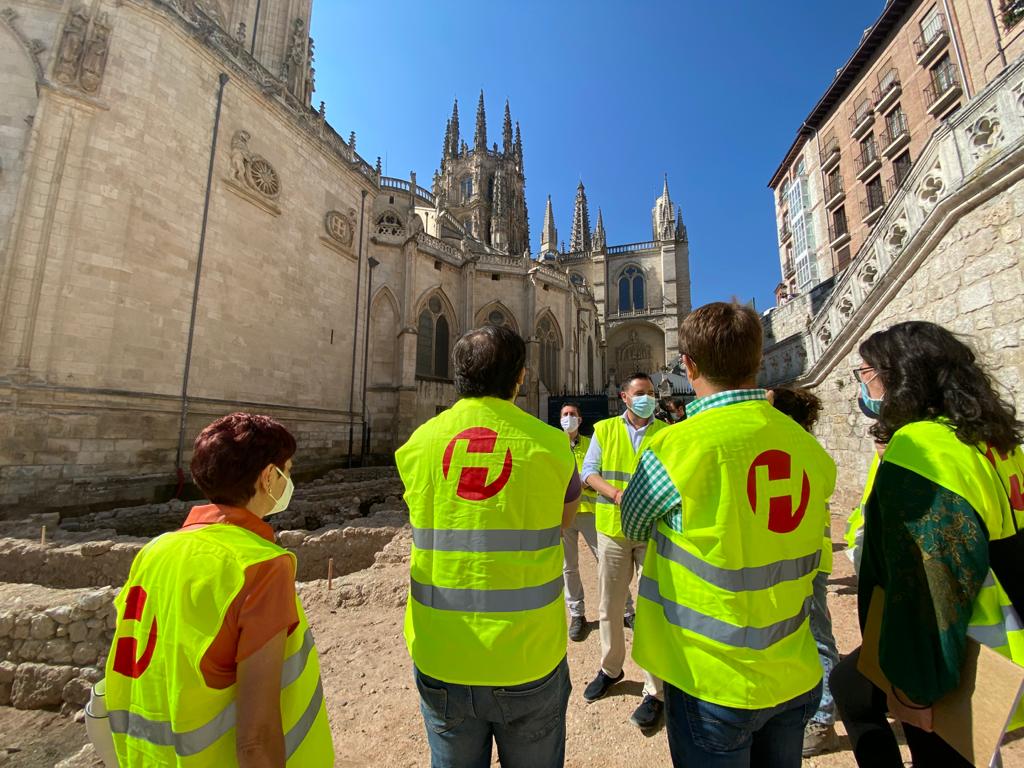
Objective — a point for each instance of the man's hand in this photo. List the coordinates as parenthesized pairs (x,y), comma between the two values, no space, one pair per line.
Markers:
(920,717)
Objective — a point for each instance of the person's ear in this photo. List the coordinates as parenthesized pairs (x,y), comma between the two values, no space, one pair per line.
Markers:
(692,371)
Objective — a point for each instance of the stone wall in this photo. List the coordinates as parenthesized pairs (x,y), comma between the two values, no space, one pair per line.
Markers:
(971,283)
(53,644)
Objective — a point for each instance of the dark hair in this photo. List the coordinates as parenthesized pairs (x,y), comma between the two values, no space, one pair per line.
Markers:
(928,372)
(488,361)
(229,455)
(801,405)
(572,404)
(633,377)
(724,340)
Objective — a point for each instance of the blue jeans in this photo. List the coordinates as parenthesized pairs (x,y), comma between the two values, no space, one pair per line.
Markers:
(712,736)
(821,628)
(527,721)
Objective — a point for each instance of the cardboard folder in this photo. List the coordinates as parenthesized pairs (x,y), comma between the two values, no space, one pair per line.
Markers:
(973,717)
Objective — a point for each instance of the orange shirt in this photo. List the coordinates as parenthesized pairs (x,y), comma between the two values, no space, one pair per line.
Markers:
(263,607)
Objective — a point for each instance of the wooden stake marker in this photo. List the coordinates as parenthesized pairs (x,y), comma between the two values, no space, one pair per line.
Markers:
(42,535)
(330,572)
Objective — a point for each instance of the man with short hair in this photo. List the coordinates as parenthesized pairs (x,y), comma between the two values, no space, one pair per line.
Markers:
(734,499)
(489,490)
(607,468)
(571,419)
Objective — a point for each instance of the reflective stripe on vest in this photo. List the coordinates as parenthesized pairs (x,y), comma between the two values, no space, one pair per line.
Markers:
(618,459)
(730,586)
(855,522)
(588,496)
(161,710)
(485,484)
(983,478)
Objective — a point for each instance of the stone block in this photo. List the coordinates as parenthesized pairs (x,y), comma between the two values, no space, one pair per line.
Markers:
(42,627)
(40,686)
(61,614)
(974,297)
(77,632)
(76,691)
(6,624)
(85,653)
(58,651)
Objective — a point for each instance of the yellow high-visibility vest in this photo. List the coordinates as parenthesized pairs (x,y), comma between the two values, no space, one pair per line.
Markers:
(161,711)
(986,480)
(588,496)
(485,483)
(726,590)
(618,460)
(855,522)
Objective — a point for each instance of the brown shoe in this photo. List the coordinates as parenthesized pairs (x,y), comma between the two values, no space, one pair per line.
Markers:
(819,739)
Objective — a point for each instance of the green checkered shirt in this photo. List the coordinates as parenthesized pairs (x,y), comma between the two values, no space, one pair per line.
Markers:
(651,494)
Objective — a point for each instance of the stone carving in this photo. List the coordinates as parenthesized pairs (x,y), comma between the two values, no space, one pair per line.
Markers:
(341,227)
(634,355)
(94,60)
(869,274)
(1018,92)
(825,335)
(845,306)
(295,66)
(931,188)
(72,46)
(34,47)
(252,170)
(896,236)
(389,223)
(986,134)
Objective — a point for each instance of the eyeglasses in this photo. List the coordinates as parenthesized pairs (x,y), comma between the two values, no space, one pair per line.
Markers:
(858,373)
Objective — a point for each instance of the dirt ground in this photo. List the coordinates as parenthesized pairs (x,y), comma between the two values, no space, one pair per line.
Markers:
(372,701)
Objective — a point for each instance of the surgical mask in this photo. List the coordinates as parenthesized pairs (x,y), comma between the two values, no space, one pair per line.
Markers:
(570,423)
(280,505)
(642,406)
(870,406)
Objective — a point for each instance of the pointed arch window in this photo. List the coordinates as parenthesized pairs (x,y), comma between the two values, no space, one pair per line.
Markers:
(550,345)
(632,290)
(433,336)
(389,223)
(466,186)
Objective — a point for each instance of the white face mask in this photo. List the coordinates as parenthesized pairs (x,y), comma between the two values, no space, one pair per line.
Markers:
(570,423)
(280,505)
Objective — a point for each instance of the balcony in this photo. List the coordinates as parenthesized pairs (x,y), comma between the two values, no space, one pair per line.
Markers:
(888,90)
(785,231)
(895,182)
(944,89)
(788,270)
(868,162)
(873,204)
(862,120)
(834,192)
(896,135)
(830,154)
(838,232)
(934,37)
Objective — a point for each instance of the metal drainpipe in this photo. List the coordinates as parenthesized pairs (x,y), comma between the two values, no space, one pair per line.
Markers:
(371,263)
(956,49)
(355,326)
(255,26)
(195,288)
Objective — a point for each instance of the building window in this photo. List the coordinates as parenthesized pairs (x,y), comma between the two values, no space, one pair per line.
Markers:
(497,318)
(632,290)
(901,168)
(868,151)
(432,338)
(577,279)
(838,226)
(943,75)
(833,184)
(547,334)
(876,197)
(842,258)
(388,223)
(932,25)
(895,125)
(466,186)
(1013,11)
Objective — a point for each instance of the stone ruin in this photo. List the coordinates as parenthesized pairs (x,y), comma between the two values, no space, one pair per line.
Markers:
(56,596)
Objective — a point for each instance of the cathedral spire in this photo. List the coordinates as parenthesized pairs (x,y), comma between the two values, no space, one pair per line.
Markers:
(663,215)
(455,135)
(549,237)
(681,235)
(499,233)
(580,239)
(519,145)
(480,137)
(600,240)
(446,151)
(506,131)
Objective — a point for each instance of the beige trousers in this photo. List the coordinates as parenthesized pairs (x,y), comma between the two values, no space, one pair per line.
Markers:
(617,560)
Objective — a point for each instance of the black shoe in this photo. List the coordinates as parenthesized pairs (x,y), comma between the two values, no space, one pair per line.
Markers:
(649,714)
(629,621)
(599,686)
(577,628)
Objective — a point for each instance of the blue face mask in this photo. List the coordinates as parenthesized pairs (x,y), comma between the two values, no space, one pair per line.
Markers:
(642,406)
(872,404)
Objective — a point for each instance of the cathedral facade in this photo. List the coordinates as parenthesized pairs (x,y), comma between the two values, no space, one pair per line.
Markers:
(183,234)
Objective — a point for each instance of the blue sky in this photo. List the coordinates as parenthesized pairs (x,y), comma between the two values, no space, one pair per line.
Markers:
(616,93)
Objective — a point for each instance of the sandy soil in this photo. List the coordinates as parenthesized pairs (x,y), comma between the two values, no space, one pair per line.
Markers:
(372,700)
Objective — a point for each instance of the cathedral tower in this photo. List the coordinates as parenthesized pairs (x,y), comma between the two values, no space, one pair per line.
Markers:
(483,187)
